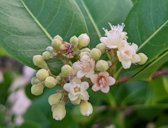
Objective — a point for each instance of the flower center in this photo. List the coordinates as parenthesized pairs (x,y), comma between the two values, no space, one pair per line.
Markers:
(102,81)
(76,89)
(126,52)
(86,66)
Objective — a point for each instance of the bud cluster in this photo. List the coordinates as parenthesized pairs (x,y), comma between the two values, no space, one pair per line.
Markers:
(83,68)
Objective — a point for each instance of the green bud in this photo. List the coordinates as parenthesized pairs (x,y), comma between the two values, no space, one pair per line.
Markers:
(58,37)
(66,70)
(86,108)
(74,41)
(42,74)
(102,65)
(59,111)
(47,55)
(55,98)
(84,40)
(39,61)
(50,49)
(101,47)
(34,80)
(95,53)
(37,89)
(85,50)
(143,58)
(50,82)
(56,44)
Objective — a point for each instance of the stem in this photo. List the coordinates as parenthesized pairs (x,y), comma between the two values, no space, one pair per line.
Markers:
(111,100)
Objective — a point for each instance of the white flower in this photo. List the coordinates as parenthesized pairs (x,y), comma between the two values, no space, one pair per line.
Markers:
(115,37)
(127,55)
(102,81)
(77,90)
(84,67)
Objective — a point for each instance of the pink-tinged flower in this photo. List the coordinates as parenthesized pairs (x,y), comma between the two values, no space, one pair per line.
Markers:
(127,55)
(67,49)
(102,81)
(77,90)
(114,37)
(84,67)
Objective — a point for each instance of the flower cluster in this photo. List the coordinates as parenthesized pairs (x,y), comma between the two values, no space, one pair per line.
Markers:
(83,68)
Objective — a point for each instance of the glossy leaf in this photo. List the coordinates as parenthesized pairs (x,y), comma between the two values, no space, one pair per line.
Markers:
(147,26)
(27,26)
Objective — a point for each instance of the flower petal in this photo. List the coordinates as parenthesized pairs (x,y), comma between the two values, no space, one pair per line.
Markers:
(72,97)
(67,86)
(85,85)
(105,89)
(111,81)
(95,88)
(126,64)
(80,74)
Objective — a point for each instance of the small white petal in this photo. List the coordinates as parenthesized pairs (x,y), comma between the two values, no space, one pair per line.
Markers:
(67,86)
(95,88)
(85,85)
(111,81)
(105,89)
(72,97)
(80,74)
(126,64)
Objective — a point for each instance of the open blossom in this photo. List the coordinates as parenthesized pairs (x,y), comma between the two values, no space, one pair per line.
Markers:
(102,81)
(114,37)
(77,90)
(84,67)
(127,55)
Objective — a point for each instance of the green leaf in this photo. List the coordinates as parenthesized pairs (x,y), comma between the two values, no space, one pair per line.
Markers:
(27,26)
(147,26)
(55,65)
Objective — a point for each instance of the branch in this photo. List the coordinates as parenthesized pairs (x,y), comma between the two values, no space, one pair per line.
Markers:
(155,75)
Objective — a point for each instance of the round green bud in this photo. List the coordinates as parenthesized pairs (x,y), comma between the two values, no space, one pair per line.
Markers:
(47,55)
(95,53)
(58,37)
(56,44)
(50,49)
(84,40)
(34,80)
(39,61)
(143,58)
(102,65)
(101,47)
(86,108)
(59,111)
(85,50)
(37,89)
(66,70)
(55,98)
(50,82)
(42,74)
(74,41)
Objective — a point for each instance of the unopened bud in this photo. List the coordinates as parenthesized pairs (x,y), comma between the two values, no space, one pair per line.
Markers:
(50,49)
(143,58)
(102,65)
(101,47)
(66,70)
(39,61)
(47,55)
(83,40)
(37,89)
(95,53)
(59,111)
(74,41)
(76,102)
(56,44)
(58,37)
(42,74)
(86,108)
(50,82)
(34,80)
(55,98)
(136,58)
